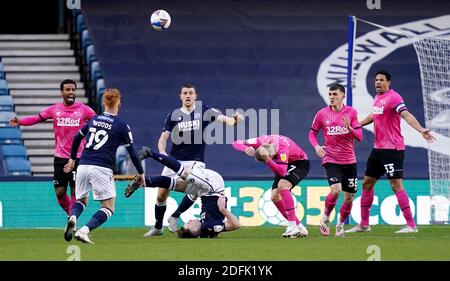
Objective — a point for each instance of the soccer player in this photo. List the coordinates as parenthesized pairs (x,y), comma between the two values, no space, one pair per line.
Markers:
(389,150)
(199,182)
(185,126)
(104,134)
(340,127)
(290,165)
(68,117)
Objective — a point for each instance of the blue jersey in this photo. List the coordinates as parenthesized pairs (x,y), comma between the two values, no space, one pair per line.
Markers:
(211,218)
(104,134)
(187,129)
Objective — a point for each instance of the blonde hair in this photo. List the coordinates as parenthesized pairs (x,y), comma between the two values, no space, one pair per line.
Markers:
(264,149)
(111,97)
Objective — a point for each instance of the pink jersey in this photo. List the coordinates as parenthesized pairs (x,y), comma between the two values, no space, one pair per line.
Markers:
(67,121)
(339,142)
(386,120)
(287,151)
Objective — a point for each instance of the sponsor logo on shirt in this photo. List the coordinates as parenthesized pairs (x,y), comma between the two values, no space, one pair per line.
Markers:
(189,125)
(377,110)
(336,130)
(67,122)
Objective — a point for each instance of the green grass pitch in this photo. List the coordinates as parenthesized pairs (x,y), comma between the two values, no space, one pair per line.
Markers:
(246,244)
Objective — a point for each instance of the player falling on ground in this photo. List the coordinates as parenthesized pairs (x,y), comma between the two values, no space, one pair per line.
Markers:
(340,127)
(104,134)
(68,117)
(185,127)
(290,165)
(389,151)
(199,182)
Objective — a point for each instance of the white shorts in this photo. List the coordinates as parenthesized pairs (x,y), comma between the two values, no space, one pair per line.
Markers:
(186,164)
(98,179)
(203,181)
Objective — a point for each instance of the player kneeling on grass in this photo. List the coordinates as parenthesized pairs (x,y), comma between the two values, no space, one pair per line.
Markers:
(198,181)
(290,164)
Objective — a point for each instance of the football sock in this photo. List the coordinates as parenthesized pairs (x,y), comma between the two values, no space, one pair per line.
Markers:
(161,181)
(185,204)
(346,208)
(282,209)
(289,205)
(77,209)
(64,202)
(403,202)
(366,204)
(160,209)
(73,199)
(330,202)
(102,215)
(169,162)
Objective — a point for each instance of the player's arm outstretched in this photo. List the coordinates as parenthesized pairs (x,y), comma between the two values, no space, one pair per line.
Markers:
(232,222)
(34,119)
(231,121)
(366,121)
(412,121)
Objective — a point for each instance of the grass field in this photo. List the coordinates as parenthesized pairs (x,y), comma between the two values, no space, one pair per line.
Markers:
(246,244)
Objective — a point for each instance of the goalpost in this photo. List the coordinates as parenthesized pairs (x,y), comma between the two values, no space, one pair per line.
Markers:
(433,53)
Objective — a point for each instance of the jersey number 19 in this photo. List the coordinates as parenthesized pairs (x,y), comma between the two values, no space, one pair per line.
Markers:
(100,137)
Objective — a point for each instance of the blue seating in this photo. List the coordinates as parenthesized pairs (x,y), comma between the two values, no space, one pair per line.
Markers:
(6,103)
(18,167)
(96,73)
(14,151)
(100,88)
(85,39)
(10,136)
(3,87)
(2,75)
(90,55)
(5,116)
(81,24)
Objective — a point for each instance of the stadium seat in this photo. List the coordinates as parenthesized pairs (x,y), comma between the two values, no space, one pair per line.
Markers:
(121,156)
(85,39)
(90,55)
(100,88)
(6,103)
(3,87)
(5,116)
(81,24)
(95,73)
(18,167)
(14,151)
(2,75)
(10,136)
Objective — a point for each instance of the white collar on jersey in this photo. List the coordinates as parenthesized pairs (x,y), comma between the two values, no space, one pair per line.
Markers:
(185,111)
(109,113)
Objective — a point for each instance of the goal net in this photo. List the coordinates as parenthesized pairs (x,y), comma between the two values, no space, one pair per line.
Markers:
(434,60)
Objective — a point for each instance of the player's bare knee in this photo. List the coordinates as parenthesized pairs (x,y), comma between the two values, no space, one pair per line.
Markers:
(368,183)
(60,192)
(396,185)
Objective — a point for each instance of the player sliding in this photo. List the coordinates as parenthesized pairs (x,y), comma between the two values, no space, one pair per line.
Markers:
(340,127)
(290,165)
(196,181)
(389,151)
